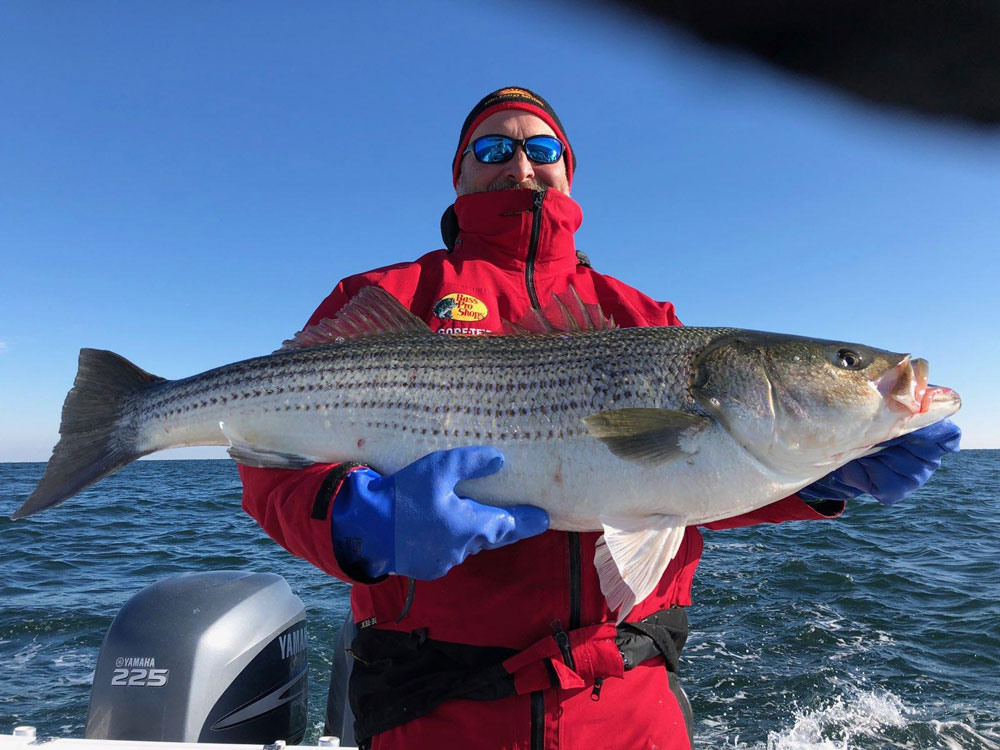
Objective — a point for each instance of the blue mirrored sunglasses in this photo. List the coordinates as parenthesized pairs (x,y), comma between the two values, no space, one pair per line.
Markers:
(496,149)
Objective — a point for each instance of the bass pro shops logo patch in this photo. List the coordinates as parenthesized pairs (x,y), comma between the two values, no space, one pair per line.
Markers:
(459,306)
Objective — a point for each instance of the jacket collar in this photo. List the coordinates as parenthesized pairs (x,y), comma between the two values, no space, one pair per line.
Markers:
(497,226)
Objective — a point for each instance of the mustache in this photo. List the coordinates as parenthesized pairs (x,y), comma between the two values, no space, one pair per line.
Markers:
(506,183)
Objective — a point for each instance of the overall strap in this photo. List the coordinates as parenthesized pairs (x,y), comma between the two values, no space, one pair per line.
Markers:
(399,676)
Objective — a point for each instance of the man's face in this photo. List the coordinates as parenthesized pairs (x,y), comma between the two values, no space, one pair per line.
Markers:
(474,177)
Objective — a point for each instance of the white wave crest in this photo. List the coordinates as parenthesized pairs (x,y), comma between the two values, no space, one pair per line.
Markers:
(957,735)
(862,719)
(862,715)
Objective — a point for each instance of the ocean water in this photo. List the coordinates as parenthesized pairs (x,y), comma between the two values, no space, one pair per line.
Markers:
(878,630)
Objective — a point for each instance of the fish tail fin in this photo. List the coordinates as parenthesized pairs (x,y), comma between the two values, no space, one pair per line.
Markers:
(92,442)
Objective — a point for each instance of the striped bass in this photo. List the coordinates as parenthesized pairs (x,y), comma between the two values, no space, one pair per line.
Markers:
(635,432)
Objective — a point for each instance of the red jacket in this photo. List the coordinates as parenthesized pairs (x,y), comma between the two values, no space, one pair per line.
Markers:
(511,596)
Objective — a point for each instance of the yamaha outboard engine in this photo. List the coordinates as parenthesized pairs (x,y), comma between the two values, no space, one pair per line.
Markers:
(204,657)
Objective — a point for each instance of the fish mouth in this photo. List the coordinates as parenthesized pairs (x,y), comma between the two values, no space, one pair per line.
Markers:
(906,389)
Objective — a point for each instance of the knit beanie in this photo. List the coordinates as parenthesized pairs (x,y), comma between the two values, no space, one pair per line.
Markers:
(513,97)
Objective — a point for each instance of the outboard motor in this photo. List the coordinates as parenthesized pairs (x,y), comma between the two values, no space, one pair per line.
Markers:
(204,657)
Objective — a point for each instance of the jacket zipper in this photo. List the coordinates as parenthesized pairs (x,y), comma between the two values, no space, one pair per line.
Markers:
(538,720)
(536,228)
(564,646)
(574,580)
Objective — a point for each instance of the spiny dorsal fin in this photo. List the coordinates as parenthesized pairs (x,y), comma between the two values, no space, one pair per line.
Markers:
(646,436)
(563,313)
(370,312)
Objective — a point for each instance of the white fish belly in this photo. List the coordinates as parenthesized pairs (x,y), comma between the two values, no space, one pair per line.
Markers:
(578,484)
(576,479)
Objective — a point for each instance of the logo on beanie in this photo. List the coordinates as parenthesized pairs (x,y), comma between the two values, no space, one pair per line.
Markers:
(503,93)
(459,306)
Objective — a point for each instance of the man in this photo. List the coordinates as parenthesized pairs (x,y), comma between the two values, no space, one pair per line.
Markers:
(512,647)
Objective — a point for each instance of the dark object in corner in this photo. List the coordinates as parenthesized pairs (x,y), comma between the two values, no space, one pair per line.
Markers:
(936,57)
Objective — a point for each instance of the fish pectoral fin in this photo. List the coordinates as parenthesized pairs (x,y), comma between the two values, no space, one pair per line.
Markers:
(646,436)
(632,556)
(242,452)
(370,312)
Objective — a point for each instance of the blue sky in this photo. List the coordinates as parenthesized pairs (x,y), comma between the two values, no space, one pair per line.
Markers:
(183,182)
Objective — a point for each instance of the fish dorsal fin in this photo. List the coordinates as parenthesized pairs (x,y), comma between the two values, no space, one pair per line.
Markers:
(370,312)
(563,313)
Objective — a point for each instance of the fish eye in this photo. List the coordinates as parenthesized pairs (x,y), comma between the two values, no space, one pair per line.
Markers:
(851,359)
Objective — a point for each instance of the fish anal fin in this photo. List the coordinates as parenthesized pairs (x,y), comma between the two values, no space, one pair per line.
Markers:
(646,436)
(632,556)
(564,313)
(249,455)
(370,312)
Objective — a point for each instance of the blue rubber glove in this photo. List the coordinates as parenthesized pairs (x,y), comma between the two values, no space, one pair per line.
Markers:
(413,524)
(901,467)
